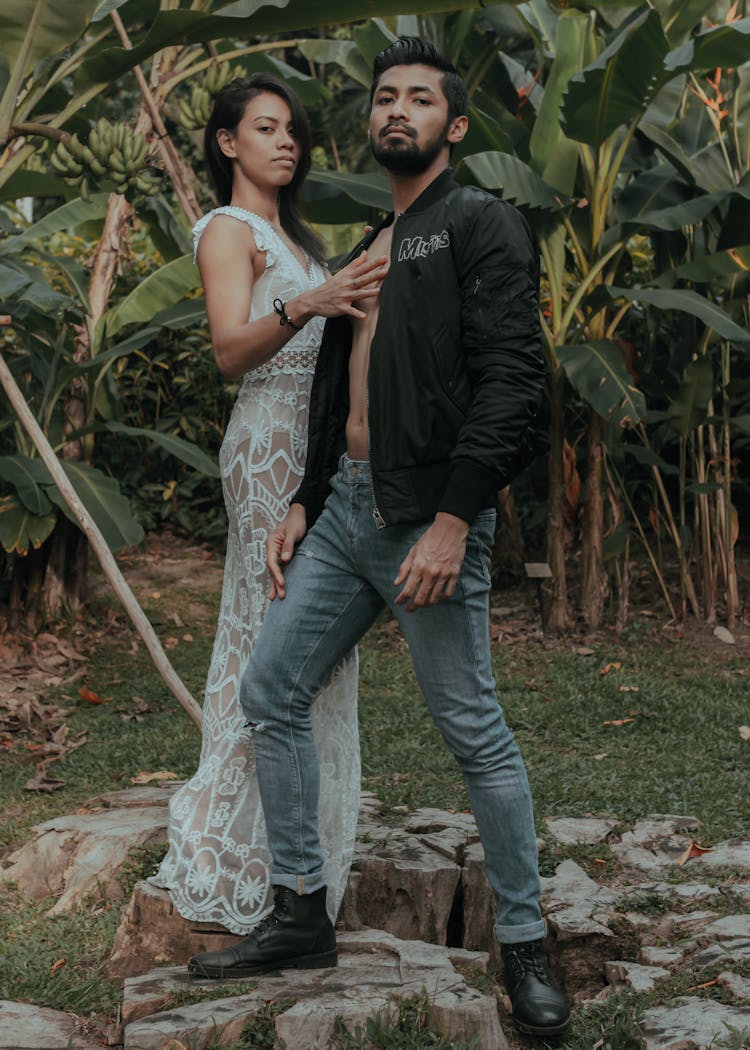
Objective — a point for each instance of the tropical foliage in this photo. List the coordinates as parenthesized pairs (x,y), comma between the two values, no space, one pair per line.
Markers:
(619,129)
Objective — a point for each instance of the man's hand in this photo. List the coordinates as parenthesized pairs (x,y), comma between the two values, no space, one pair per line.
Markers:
(280,547)
(430,570)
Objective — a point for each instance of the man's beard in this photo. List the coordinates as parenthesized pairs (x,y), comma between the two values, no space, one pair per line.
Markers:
(404,156)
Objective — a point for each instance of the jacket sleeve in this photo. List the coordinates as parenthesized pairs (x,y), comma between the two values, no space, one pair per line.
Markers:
(497,263)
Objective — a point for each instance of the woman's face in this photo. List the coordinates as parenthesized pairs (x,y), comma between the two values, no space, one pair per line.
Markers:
(264,145)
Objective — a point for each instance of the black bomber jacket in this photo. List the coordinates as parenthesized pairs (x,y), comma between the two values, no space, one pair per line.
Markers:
(456,371)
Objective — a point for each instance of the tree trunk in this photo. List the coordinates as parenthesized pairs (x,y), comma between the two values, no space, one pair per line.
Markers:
(559,617)
(593,577)
(508,548)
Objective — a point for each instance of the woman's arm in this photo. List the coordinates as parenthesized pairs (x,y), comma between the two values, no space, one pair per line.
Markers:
(227,257)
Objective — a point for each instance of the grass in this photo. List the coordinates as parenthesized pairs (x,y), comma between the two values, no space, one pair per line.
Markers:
(681,753)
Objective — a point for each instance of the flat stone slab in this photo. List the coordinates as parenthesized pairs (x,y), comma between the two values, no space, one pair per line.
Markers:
(738,986)
(636,976)
(27,1027)
(656,843)
(575,905)
(374,968)
(571,830)
(693,1022)
(734,854)
(75,856)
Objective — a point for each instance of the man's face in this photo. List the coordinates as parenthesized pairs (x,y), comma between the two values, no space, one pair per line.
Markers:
(409,126)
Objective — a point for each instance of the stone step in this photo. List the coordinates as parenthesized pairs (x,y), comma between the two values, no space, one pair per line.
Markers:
(27,1027)
(304,1008)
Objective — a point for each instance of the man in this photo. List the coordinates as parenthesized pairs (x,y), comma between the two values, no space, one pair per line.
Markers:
(423,399)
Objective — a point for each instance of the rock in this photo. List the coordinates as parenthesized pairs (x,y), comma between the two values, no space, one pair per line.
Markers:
(578,912)
(738,986)
(152,932)
(681,891)
(676,926)
(656,955)
(656,843)
(639,978)
(734,854)
(724,952)
(575,905)
(374,967)
(27,1027)
(724,635)
(478,905)
(693,1022)
(736,889)
(570,830)
(730,927)
(72,857)
(133,798)
(401,886)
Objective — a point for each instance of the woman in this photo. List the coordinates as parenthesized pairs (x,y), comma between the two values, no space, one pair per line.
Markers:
(267,295)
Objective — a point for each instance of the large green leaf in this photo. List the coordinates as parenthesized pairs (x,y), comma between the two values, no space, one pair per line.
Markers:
(164,287)
(688,409)
(20,529)
(66,217)
(674,217)
(343,53)
(718,266)
(105,503)
(725,45)
(334,196)
(176,446)
(27,475)
(247,18)
(619,85)
(688,302)
(515,180)
(683,16)
(597,371)
(553,155)
(32,30)
(34,184)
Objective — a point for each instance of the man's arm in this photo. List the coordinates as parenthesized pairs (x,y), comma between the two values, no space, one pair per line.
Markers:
(498,271)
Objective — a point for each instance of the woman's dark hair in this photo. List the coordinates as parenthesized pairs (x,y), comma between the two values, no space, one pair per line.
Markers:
(228,111)
(413,51)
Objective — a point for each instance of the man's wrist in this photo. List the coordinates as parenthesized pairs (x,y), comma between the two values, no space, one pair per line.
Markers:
(452,522)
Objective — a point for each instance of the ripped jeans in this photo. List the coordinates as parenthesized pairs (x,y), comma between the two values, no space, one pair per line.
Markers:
(339,580)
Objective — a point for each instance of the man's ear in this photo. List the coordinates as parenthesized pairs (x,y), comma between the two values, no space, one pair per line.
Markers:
(457,130)
(226,142)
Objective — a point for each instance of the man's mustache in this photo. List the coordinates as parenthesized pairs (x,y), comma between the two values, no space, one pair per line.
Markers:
(398,127)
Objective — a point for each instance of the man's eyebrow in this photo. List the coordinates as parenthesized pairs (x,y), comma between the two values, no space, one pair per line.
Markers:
(413,89)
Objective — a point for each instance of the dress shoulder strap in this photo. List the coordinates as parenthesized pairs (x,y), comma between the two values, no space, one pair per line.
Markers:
(266,238)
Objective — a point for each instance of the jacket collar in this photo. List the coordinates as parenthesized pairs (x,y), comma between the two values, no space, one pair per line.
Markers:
(439,187)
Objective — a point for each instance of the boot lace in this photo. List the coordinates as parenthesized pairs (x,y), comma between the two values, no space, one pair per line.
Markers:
(523,959)
(281,895)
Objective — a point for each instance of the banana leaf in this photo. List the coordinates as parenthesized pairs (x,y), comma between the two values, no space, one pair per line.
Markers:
(687,301)
(105,503)
(597,371)
(20,529)
(183,450)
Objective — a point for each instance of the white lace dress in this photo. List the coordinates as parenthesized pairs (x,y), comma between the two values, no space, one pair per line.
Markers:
(218,865)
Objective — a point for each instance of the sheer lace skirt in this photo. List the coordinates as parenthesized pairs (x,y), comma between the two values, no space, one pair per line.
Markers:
(218,865)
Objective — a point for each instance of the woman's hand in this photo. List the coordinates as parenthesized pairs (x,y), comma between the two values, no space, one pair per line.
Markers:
(361,279)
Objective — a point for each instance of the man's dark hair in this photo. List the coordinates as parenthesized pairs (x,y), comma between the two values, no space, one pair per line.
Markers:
(413,51)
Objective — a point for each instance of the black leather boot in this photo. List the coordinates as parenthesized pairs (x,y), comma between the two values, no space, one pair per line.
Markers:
(297,934)
(539,1007)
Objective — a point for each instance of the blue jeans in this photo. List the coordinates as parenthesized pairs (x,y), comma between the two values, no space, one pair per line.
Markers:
(339,580)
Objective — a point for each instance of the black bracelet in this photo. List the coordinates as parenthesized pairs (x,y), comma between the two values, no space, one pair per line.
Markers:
(280,309)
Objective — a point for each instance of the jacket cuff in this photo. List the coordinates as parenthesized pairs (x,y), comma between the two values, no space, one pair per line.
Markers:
(471,488)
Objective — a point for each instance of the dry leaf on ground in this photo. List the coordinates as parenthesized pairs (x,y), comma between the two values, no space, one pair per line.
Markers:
(57,966)
(618,721)
(745,732)
(91,697)
(616,665)
(149,778)
(693,850)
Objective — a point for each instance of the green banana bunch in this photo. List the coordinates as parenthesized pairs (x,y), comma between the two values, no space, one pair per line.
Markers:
(216,76)
(114,151)
(194,114)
